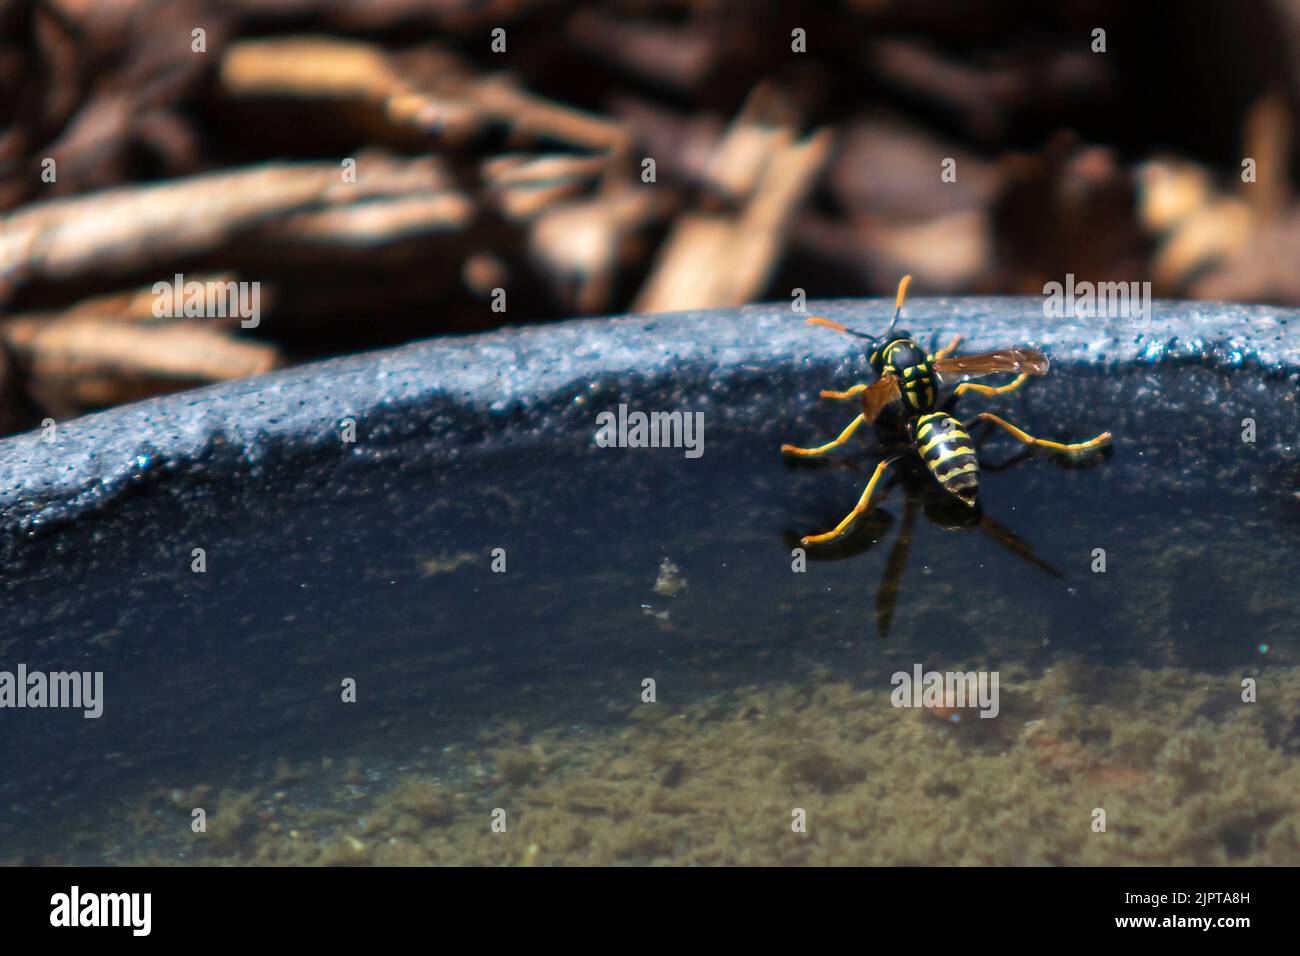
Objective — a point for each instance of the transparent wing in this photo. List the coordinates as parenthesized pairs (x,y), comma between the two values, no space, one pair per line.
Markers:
(1027,361)
(879,394)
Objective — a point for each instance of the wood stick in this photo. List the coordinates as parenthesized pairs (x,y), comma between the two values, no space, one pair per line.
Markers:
(130,228)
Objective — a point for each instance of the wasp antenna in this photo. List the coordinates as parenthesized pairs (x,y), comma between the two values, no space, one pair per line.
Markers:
(898,302)
(818,320)
(827,323)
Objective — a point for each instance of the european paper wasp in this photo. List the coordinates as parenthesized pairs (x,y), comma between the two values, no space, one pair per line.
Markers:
(906,374)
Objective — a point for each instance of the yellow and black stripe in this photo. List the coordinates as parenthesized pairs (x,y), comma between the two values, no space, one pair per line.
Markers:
(917,385)
(949,453)
(906,361)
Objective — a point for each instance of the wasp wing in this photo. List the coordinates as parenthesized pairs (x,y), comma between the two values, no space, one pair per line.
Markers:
(1027,361)
(879,394)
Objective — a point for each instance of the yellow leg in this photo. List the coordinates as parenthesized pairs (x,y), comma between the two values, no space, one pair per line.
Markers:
(1099,442)
(948,349)
(861,508)
(965,387)
(830,445)
(852,393)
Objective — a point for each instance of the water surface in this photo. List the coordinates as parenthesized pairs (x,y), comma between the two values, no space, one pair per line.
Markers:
(521,690)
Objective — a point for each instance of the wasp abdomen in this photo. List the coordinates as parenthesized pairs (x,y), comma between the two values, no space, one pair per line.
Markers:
(949,453)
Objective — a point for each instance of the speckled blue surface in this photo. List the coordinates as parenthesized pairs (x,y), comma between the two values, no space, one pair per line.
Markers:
(458,392)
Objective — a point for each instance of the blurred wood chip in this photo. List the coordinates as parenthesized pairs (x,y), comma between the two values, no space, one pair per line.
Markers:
(579,244)
(310,67)
(1196,225)
(432,90)
(1263,270)
(536,117)
(133,228)
(96,361)
(522,185)
(1266,140)
(371,223)
(718,259)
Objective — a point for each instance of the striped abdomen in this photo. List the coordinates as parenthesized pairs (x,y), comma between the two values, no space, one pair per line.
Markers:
(949,453)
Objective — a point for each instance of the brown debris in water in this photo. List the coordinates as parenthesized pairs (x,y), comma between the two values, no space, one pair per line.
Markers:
(879,785)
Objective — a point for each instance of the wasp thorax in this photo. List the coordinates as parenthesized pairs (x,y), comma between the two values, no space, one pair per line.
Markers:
(902,352)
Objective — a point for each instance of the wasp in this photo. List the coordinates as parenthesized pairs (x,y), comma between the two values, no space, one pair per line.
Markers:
(910,377)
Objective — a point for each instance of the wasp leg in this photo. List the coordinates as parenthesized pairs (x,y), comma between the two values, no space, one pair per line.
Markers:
(965,387)
(852,393)
(861,508)
(892,582)
(996,466)
(1021,436)
(830,445)
(948,349)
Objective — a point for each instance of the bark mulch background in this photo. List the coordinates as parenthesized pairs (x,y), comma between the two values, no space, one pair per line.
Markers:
(384,173)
